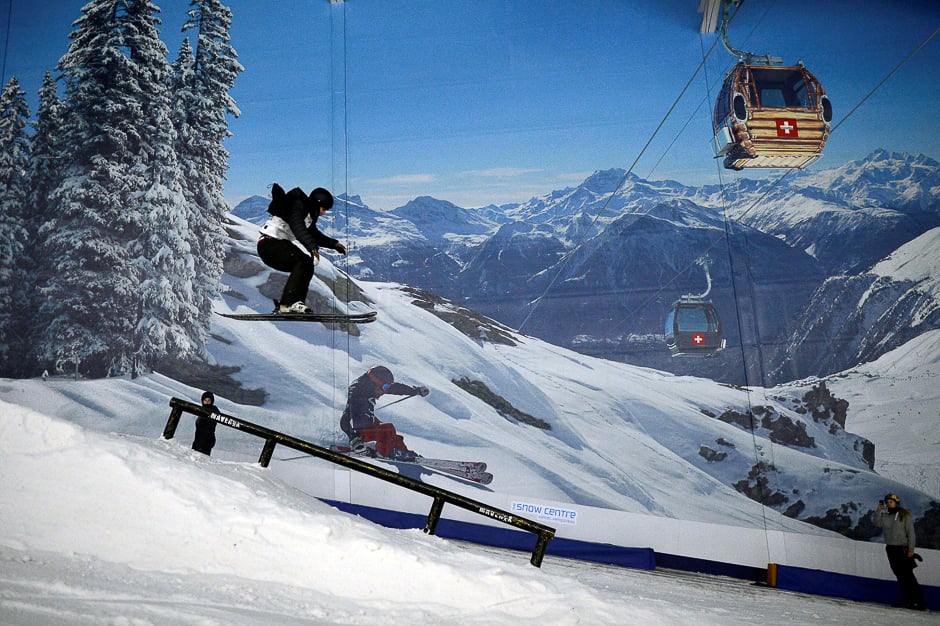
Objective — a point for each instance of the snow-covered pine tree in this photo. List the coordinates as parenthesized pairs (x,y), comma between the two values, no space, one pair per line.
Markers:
(45,162)
(91,298)
(202,79)
(163,254)
(183,105)
(14,161)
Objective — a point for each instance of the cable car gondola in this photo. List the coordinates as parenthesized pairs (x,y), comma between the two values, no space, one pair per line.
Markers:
(768,115)
(693,327)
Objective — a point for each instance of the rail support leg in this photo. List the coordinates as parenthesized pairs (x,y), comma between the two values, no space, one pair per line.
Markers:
(434,516)
(539,550)
(267,452)
(172,423)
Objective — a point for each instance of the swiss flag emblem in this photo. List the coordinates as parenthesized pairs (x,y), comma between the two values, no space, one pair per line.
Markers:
(698,339)
(787,128)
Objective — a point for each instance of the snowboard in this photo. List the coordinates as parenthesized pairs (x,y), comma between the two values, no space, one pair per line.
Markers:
(328,318)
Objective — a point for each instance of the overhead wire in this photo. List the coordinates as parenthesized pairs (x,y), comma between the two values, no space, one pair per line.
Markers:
(339,124)
(6,44)
(763,470)
(743,353)
(854,109)
(776,181)
(570,254)
(886,78)
(757,447)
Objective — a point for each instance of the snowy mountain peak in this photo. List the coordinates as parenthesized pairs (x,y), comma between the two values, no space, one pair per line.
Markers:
(352,201)
(895,180)
(435,218)
(605,181)
(253,209)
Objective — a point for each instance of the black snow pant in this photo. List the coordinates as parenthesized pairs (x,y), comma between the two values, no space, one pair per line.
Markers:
(284,256)
(912,596)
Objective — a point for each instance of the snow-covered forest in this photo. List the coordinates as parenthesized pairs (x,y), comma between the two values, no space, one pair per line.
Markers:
(110,260)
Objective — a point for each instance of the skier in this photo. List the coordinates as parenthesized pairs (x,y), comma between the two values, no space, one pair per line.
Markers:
(205,427)
(898,526)
(294,218)
(359,423)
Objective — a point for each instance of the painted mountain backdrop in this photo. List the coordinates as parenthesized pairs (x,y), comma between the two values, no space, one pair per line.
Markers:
(597,267)
(552,424)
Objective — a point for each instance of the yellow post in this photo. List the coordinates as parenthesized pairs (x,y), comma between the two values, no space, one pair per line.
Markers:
(771,574)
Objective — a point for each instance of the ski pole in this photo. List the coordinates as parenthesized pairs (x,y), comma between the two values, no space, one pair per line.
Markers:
(393,402)
(304,456)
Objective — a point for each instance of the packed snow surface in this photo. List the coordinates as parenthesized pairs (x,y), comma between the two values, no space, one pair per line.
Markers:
(104,528)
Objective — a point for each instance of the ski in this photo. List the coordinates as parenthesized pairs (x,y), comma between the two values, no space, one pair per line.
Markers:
(469,470)
(329,318)
(474,471)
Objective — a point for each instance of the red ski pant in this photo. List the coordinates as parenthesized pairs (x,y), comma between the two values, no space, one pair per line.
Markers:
(385,438)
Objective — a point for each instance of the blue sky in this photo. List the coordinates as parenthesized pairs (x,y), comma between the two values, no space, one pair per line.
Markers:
(493,102)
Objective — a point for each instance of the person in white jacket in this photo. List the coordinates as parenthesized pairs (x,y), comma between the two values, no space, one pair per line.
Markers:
(897,523)
(294,219)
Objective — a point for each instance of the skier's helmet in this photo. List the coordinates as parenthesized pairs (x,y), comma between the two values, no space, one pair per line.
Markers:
(322,198)
(893,496)
(381,376)
(208,396)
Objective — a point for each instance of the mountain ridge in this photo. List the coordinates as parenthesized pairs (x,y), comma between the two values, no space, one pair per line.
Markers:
(510,261)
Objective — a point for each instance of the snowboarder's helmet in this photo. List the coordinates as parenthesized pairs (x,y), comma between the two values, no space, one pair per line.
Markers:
(208,395)
(893,496)
(381,376)
(322,197)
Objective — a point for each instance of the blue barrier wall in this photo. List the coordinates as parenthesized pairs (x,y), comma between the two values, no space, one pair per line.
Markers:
(638,558)
(789,578)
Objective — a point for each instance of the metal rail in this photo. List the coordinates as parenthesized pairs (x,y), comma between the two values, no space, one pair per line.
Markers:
(273,438)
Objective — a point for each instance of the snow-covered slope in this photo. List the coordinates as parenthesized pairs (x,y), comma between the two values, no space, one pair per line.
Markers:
(148,505)
(859,318)
(906,425)
(916,263)
(118,529)
(613,436)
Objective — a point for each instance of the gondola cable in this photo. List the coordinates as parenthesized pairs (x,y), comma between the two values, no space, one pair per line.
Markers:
(849,114)
(338,116)
(759,449)
(888,77)
(6,44)
(570,254)
(776,182)
(734,293)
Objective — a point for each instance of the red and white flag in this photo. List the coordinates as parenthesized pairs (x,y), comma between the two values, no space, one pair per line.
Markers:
(786,127)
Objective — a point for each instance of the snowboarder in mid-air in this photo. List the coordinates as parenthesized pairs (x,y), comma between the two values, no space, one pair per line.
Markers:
(359,422)
(294,219)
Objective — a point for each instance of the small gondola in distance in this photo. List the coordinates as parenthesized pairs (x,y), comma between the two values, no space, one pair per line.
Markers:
(769,116)
(693,328)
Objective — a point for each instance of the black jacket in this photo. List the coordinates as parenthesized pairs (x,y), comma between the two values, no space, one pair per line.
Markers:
(360,403)
(204,440)
(294,208)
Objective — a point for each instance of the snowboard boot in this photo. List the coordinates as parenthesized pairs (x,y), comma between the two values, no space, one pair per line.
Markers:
(297,307)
